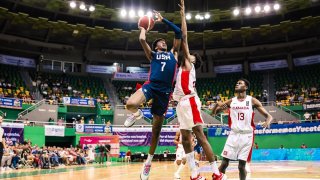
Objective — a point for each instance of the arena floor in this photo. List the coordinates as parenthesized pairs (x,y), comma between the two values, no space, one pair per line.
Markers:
(275,170)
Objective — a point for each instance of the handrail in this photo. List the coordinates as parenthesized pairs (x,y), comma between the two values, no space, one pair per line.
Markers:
(31,108)
(290,112)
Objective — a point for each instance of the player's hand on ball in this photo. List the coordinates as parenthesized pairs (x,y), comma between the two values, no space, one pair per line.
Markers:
(141,28)
(158,16)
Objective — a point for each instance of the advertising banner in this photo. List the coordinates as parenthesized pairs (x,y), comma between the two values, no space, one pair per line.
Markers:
(17,61)
(311,106)
(79,102)
(306,60)
(308,154)
(275,129)
(131,69)
(11,103)
(101,69)
(228,68)
(92,128)
(268,65)
(13,132)
(113,141)
(52,130)
(144,138)
(131,76)
(147,113)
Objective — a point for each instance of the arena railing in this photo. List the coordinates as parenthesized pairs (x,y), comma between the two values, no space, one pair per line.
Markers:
(31,108)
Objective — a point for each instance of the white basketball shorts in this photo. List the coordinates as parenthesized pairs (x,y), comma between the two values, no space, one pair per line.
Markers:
(238,146)
(189,112)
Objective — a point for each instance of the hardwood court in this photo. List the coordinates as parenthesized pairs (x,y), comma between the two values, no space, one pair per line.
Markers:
(276,170)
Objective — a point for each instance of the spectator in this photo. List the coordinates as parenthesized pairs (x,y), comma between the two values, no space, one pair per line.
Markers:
(26,122)
(281,146)
(102,153)
(6,159)
(318,116)
(307,116)
(127,158)
(256,146)
(303,146)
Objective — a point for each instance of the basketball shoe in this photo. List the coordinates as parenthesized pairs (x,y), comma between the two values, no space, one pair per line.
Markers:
(198,178)
(219,177)
(145,171)
(132,119)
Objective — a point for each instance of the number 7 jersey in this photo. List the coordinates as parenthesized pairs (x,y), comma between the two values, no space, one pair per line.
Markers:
(162,70)
(241,115)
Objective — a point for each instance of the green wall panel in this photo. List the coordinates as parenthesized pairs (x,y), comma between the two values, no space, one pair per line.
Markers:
(35,134)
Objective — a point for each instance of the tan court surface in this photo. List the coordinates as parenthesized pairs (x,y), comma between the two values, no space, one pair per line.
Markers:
(275,170)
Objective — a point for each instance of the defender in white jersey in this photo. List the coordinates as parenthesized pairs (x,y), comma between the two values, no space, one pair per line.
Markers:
(188,108)
(241,138)
(180,155)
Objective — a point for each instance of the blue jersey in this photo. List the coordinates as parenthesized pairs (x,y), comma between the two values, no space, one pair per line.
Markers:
(162,71)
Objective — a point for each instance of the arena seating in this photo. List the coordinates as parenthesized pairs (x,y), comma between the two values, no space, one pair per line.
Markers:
(295,87)
(222,86)
(54,85)
(11,83)
(125,89)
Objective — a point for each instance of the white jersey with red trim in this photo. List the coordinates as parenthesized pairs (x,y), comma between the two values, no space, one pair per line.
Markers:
(185,83)
(241,115)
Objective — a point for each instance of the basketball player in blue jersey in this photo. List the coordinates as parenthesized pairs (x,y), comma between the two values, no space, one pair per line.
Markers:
(158,87)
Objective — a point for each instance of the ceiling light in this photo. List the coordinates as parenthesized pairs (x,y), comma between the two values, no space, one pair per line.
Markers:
(92,8)
(132,14)
(123,13)
(73,4)
(248,11)
(149,14)
(207,16)
(257,9)
(82,6)
(276,6)
(188,16)
(236,12)
(140,13)
(266,8)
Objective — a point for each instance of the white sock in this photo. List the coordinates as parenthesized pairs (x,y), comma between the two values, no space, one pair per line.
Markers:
(192,164)
(137,114)
(180,168)
(215,168)
(149,159)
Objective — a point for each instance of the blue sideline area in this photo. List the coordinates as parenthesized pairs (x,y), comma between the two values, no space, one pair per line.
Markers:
(309,154)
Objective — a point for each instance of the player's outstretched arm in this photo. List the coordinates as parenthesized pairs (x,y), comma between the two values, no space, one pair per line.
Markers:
(257,104)
(146,48)
(220,106)
(177,31)
(184,30)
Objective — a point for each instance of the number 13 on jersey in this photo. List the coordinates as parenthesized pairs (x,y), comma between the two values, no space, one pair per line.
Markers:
(240,116)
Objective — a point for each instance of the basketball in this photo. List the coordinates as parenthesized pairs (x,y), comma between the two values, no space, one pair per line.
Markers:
(146,22)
